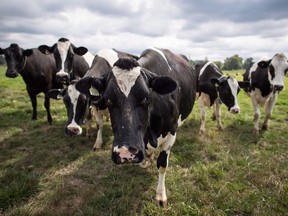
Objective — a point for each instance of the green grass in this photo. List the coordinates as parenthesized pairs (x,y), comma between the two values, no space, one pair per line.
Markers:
(45,172)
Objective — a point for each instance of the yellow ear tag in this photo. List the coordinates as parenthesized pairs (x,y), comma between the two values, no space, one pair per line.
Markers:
(93,91)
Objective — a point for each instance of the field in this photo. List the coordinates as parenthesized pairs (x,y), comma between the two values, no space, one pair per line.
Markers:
(232,172)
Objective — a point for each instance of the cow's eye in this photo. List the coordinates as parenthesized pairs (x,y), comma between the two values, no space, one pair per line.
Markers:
(146,100)
(109,102)
(285,72)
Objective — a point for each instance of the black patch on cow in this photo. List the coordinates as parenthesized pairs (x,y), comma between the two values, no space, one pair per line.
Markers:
(126,63)
(162,159)
(272,71)
(63,40)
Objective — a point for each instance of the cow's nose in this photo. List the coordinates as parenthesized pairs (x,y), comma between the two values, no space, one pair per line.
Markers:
(11,74)
(73,131)
(123,154)
(235,110)
(278,87)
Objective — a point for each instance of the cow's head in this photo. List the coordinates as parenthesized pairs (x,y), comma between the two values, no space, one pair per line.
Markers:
(76,104)
(16,59)
(63,52)
(128,91)
(277,68)
(228,89)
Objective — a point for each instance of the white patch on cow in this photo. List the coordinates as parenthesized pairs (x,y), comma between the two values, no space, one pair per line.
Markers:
(206,65)
(162,54)
(109,55)
(256,96)
(180,122)
(124,153)
(74,95)
(126,78)
(89,57)
(63,48)
(232,82)
(61,74)
(280,64)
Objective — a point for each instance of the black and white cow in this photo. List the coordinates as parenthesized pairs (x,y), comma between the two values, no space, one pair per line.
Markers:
(71,62)
(79,107)
(266,78)
(147,100)
(37,70)
(213,87)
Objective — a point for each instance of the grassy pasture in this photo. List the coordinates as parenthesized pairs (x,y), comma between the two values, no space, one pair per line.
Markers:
(45,172)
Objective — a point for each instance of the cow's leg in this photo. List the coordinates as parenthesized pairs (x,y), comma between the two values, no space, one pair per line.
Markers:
(268,110)
(218,114)
(256,116)
(47,107)
(88,121)
(162,164)
(34,105)
(99,120)
(202,114)
(149,156)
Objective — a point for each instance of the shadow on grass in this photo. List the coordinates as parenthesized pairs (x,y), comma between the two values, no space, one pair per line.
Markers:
(43,171)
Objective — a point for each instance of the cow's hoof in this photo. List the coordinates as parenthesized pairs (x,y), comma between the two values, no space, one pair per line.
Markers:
(264,127)
(96,148)
(163,203)
(256,132)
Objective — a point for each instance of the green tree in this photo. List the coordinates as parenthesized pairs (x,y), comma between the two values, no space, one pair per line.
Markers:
(233,63)
(247,63)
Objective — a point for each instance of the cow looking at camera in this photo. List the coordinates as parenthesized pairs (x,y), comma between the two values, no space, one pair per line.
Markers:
(266,78)
(147,100)
(71,62)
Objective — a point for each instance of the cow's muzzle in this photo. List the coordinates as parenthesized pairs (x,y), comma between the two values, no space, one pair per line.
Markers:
(72,131)
(62,77)
(11,74)
(123,154)
(278,88)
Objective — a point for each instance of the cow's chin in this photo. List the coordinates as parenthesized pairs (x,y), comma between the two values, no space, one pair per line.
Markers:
(124,155)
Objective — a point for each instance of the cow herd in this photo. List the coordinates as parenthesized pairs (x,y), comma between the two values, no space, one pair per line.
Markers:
(147,97)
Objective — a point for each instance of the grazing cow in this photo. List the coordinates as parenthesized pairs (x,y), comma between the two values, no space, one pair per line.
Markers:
(37,70)
(79,106)
(266,79)
(147,100)
(71,62)
(213,87)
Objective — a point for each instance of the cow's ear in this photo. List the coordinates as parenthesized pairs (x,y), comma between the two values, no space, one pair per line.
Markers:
(90,86)
(56,94)
(264,64)
(243,84)
(46,49)
(28,52)
(163,84)
(2,51)
(80,50)
(215,81)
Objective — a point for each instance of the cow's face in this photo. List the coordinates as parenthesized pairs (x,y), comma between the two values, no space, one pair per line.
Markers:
(15,57)
(277,68)
(228,90)
(63,52)
(76,105)
(128,92)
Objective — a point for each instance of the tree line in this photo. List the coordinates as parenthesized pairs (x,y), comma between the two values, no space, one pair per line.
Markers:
(232,63)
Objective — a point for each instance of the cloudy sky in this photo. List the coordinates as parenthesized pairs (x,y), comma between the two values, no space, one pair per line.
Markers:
(213,29)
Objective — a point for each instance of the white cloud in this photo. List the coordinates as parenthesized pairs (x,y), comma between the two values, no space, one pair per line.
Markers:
(215,29)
